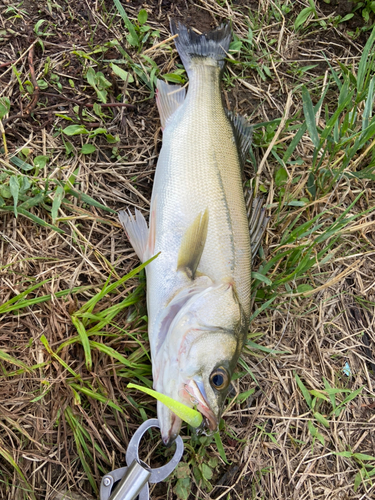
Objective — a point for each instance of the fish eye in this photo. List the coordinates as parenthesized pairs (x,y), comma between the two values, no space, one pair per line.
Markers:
(219,379)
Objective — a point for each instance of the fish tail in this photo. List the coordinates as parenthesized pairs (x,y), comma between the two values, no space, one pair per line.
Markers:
(210,47)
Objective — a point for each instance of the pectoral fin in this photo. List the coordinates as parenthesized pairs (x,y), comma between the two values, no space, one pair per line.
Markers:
(192,245)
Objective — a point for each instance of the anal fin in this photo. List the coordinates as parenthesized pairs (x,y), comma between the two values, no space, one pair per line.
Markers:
(168,99)
(192,245)
(137,231)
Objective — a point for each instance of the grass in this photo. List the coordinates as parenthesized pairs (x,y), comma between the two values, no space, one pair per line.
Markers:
(73,318)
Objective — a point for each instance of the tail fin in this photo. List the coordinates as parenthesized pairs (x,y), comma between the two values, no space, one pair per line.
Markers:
(213,45)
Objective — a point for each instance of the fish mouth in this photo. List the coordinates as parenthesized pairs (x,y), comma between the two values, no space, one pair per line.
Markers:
(196,390)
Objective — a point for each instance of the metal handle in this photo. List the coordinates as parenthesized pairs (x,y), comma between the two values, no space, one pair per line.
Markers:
(132,483)
(135,478)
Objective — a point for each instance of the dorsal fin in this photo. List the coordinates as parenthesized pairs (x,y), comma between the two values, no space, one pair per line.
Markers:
(243,133)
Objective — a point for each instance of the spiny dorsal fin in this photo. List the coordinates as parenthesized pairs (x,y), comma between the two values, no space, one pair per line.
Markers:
(243,133)
(258,221)
(168,99)
(192,245)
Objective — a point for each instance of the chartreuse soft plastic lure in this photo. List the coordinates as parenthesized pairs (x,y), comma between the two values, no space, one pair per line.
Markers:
(188,415)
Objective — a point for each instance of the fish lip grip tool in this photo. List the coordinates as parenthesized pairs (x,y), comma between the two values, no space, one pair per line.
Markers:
(136,476)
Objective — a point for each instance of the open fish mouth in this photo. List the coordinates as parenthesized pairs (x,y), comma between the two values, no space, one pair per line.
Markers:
(197,392)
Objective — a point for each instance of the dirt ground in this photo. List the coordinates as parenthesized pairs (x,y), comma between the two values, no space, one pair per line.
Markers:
(66,420)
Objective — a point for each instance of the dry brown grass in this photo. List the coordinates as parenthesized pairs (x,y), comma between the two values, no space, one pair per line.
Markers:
(48,431)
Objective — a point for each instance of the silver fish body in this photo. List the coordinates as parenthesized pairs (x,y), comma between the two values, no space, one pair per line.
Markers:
(198,288)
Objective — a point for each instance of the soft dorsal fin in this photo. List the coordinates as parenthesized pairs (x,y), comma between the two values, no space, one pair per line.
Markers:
(243,133)
(168,99)
(192,245)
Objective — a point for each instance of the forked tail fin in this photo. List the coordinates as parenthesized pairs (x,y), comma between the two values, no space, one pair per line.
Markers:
(213,45)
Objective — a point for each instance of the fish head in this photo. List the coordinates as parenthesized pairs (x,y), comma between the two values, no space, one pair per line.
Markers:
(199,356)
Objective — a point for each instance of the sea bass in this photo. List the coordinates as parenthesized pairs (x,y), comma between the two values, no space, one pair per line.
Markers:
(198,288)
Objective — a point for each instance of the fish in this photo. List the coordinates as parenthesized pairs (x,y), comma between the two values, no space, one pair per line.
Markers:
(198,288)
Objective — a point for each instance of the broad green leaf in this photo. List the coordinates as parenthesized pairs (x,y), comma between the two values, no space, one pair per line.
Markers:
(88,149)
(244,395)
(304,288)
(21,164)
(302,17)
(42,84)
(75,130)
(183,488)
(345,454)
(261,277)
(124,75)
(91,77)
(281,177)
(38,25)
(319,417)
(363,456)
(40,161)
(142,16)
(174,78)
(189,415)
(206,472)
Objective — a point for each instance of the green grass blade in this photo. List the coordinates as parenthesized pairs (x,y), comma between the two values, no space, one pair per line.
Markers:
(368,105)
(8,457)
(44,341)
(310,117)
(110,352)
(96,395)
(84,340)
(6,307)
(34,218)
(9,359)
(363,66)
(304,391)
(220,447)
(21,304)
(85,198)
(133,38)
